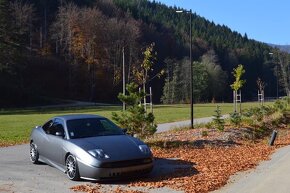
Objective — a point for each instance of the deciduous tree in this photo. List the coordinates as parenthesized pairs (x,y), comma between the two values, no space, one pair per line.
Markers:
(217,78)
(238,84)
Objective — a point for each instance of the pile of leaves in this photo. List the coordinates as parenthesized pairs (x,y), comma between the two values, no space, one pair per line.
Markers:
(212,166)
(100,189)
(208,166)
(4,143)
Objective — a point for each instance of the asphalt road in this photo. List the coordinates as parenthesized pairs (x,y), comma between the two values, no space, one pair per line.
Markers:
(168,126)
(19,175)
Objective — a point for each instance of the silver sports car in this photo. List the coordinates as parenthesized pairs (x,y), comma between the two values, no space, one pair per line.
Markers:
(89,147)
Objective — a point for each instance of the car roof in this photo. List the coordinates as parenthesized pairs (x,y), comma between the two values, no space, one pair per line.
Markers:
(78,116)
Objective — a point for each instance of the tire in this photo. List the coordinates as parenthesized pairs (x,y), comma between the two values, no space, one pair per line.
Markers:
(34,155)
(72,170)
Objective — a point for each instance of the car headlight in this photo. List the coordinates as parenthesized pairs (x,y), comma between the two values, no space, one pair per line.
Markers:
(99,153)
(144,149)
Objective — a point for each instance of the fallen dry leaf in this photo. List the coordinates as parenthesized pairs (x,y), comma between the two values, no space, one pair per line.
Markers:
(211,161)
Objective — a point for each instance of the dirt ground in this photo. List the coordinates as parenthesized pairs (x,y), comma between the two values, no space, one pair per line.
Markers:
(203,159)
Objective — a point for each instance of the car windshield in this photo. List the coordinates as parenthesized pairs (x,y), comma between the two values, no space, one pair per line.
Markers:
(92,127)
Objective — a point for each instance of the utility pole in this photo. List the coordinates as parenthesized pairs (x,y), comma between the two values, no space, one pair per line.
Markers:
(191,73)
(190,67)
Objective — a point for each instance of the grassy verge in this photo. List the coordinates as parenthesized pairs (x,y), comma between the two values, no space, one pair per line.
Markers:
(16,125)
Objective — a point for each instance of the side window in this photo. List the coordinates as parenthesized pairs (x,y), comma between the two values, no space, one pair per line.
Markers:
(47,126)
(58,126)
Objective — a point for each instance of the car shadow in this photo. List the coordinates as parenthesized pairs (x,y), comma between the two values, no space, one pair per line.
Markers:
(172,168)
(40,163)
(163,169)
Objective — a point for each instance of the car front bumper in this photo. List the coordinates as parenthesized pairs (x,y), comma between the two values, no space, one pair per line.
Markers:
(94,173)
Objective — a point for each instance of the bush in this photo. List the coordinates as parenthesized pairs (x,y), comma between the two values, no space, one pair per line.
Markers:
(282,104)
(262,119)
(258,113)
(204,133)
(261,131)
(218,121)
(236,119)
(209,125)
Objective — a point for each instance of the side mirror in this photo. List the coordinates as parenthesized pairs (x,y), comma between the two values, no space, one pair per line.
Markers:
(59,134)
(125,131)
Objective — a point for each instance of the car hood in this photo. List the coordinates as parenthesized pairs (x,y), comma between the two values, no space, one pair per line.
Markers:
(118,147)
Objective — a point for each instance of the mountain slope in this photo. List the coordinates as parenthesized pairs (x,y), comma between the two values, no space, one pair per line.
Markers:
(231,47)
(284,48)
(79,44)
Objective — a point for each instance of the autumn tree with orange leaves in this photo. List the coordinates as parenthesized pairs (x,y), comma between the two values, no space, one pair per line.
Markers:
(93,43)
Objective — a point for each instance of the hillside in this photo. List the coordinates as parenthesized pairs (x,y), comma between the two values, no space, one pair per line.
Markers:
(284,48)
(73,50)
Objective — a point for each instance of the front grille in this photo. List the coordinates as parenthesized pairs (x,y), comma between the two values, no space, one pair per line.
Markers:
(127,163)
(126,174)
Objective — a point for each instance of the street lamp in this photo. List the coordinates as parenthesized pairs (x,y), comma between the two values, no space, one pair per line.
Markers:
(191,70)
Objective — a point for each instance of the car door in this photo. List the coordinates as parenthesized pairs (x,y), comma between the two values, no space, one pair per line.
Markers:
(55,148)
(42,140)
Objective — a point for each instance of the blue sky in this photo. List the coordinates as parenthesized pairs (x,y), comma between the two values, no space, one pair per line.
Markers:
(263,20)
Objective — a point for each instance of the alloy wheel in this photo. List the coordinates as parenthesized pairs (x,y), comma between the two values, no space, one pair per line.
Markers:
(33,153)
(72,168)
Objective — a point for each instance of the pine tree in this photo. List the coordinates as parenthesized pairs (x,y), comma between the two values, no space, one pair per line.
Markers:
(135,119)
(218,120)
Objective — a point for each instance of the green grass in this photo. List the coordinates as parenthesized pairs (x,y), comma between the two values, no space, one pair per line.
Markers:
(16,125)
(171,113)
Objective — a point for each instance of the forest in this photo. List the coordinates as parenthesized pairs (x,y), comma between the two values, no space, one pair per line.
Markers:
(53,50)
